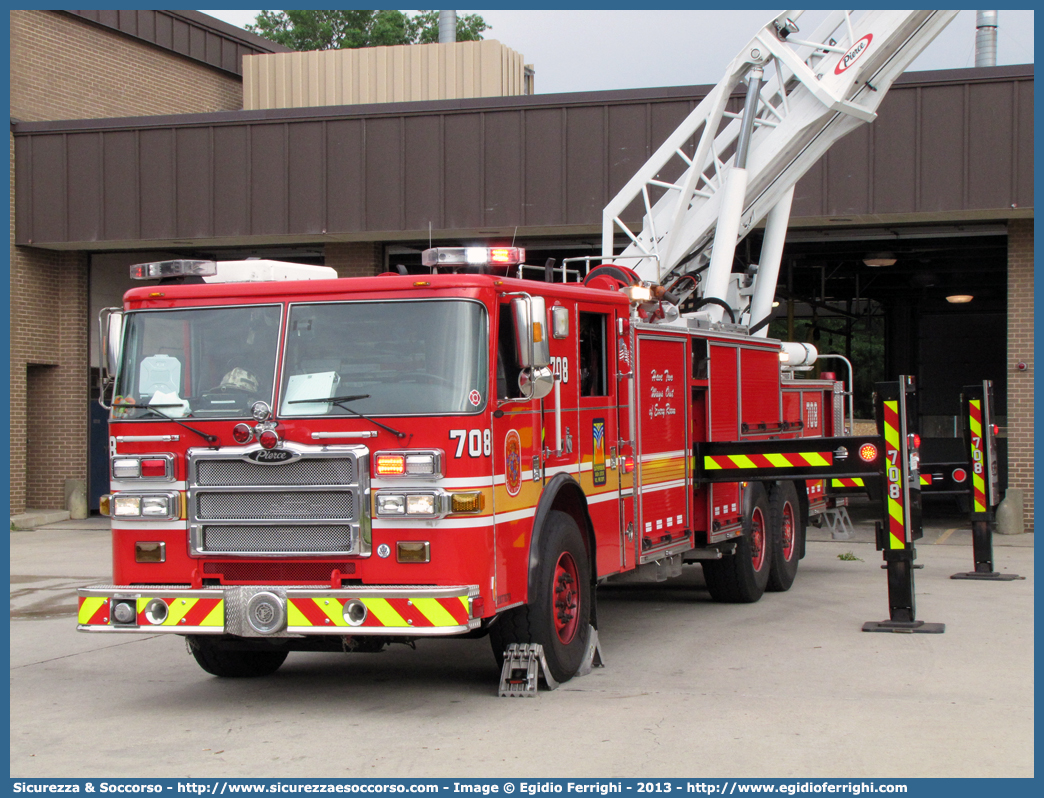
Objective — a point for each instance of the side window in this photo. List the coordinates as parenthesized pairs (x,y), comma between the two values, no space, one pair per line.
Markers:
(507,358)
(593,371)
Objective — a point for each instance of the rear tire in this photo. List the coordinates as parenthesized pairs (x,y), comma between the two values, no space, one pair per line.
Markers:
(786,535)
(218,659)
(741,577)
(558,613)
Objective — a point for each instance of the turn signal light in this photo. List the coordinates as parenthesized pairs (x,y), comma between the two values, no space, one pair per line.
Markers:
(473,502)
(868,452)
(390,465)
(241,433)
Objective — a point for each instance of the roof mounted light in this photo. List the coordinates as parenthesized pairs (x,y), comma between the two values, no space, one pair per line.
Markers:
(172,268)
(638,293)
(473,256)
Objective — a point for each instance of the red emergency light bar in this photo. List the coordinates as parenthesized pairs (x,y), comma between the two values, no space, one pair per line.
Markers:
(473,256)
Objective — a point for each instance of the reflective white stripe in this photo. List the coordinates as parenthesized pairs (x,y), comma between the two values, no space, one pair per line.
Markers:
(649,458)
(527,476)
(418,482)
(147,486)
(154,526)
(566,469)
(467,523)
(504,518)
(675,483)
(612,495)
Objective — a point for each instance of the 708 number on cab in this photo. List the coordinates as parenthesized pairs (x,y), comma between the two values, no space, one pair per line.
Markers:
(479,442)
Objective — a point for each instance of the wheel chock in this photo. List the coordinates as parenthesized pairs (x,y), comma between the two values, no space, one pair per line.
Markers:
(519,675)
(592,656)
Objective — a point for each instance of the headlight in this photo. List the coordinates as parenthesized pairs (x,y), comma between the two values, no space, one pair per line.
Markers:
(127,506)
(391,504)
(420,504)
(147,506)
(417,504)
(155,505)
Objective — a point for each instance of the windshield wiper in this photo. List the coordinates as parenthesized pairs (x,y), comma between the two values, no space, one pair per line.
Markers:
(205,435)
(340,402)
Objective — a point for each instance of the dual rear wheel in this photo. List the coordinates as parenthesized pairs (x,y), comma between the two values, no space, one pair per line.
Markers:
(767,553)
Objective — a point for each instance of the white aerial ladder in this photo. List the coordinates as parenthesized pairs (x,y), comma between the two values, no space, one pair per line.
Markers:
(803,94)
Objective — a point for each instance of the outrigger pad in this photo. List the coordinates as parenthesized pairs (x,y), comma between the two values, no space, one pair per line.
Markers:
(518,677)
(988,576)
(905,627)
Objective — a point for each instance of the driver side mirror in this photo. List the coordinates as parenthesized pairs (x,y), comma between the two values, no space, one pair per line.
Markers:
(111,323)
(531,331)
(536,379)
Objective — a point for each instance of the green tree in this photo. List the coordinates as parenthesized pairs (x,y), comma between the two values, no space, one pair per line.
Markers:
(349,29)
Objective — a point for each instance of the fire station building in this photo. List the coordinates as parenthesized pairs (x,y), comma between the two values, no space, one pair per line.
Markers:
(130,142)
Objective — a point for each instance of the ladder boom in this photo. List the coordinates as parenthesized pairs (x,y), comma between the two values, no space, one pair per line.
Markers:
(809,93)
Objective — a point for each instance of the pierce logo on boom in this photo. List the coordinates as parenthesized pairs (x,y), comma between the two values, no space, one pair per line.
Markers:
(853,54)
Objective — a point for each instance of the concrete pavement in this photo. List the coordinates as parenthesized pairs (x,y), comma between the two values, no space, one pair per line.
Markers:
(789,686)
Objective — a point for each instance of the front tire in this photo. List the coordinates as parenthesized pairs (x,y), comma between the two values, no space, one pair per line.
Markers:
(219,659)
(559,611)
(786,533)
(741,577)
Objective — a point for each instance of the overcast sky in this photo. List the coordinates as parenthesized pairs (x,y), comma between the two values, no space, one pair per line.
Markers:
(593,50)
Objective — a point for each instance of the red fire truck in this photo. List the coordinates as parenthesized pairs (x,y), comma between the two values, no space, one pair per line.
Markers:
(303,463)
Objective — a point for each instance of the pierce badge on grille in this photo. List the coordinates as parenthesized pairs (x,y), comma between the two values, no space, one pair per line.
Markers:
(273,456)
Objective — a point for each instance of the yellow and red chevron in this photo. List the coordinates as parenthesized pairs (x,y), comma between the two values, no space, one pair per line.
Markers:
(896,511)
(776,460)
(977,458)
(181,612)
(847,482)
(415,613)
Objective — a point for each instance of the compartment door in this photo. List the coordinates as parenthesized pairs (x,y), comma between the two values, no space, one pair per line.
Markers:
(662,438)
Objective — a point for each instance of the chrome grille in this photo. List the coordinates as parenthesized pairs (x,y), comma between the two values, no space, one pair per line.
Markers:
(324,471)
(277,539)
(314,505)
(298,505)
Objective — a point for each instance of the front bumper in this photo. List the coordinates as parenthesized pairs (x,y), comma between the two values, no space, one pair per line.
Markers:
(256,611)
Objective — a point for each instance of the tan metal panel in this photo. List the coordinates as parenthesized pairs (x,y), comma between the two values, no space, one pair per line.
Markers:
(382,74)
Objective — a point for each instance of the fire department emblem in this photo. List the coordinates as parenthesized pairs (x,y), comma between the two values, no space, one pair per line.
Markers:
(475,398)
(512,463)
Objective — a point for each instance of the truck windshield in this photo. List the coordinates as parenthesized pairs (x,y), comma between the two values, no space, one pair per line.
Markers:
(394,358)
(207,362)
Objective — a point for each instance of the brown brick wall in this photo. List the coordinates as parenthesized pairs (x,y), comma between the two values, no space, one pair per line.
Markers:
(63,67)
(1020,350)
(357,259)
(49,376)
